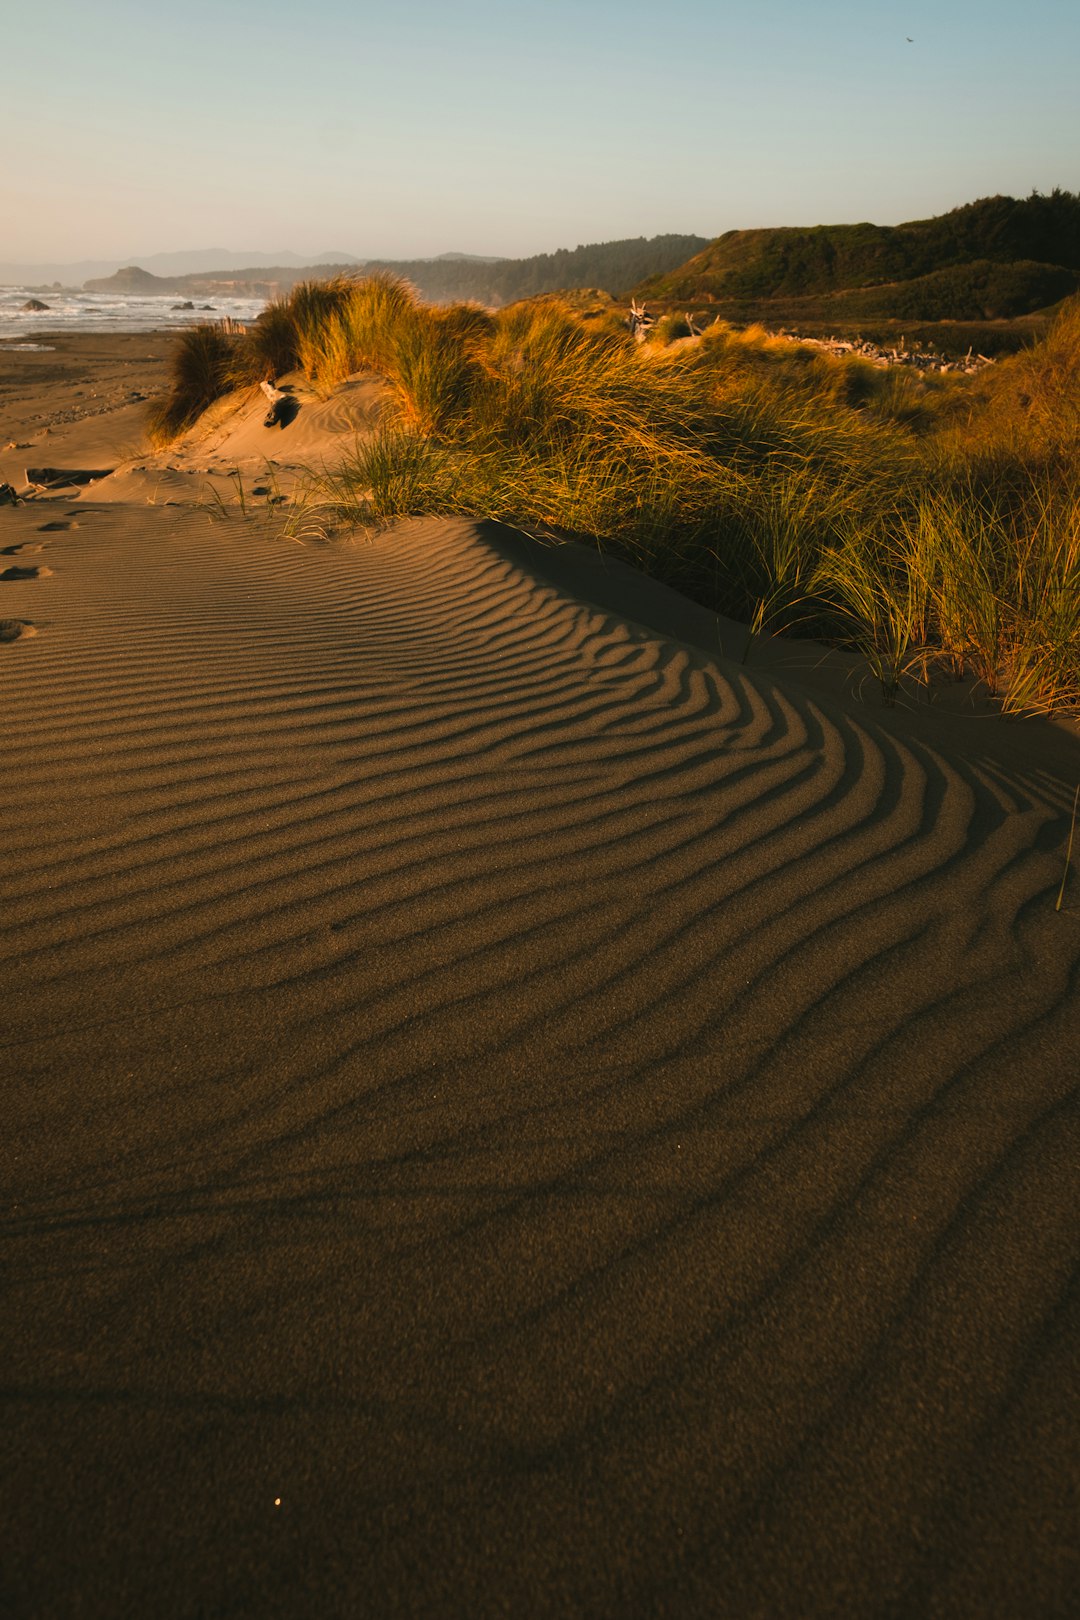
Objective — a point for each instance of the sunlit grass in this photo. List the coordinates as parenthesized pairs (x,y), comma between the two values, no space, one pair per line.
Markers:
(203,367)
(931,523)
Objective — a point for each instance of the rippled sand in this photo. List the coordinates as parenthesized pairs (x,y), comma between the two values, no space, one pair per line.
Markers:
(508,1111)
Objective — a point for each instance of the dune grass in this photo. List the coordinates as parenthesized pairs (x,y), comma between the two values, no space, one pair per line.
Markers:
(203,367)
(932,523)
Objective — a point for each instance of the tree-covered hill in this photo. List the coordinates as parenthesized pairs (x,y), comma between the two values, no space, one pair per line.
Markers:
(998,253)
(612,266)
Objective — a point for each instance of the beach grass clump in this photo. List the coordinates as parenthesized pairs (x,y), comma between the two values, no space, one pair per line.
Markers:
(1021,415)
(292,333)
(315,308)
(668,329)
(1036,394)
(203,367)
(1042,600)
(880,605)
(271,348)
(357,332)
(395,473)
(693,460)
(960,586)
(431,360)
(542,373)
(327,329)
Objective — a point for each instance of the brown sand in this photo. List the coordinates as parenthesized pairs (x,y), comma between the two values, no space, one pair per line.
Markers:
(507,1111)
(78,401)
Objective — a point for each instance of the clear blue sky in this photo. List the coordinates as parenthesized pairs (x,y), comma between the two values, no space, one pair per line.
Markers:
(515,126)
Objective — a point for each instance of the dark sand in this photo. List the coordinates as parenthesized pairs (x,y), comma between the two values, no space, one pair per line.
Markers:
(508,1112)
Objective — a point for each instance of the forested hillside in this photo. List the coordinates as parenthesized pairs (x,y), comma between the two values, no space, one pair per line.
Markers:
(612,266)
(989,259)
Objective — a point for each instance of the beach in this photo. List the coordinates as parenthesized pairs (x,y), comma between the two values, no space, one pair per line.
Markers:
(514,1105)
(76,394)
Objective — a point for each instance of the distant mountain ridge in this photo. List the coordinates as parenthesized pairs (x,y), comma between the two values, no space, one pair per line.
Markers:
(991,259)
(182,262)
(612,266)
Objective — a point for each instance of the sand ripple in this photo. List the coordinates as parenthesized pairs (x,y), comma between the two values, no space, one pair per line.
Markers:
(610,1114)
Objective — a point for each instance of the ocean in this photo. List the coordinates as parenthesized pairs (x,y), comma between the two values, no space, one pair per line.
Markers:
(73,311)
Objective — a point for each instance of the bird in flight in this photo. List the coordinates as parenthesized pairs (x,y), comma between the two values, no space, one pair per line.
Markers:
(909,39)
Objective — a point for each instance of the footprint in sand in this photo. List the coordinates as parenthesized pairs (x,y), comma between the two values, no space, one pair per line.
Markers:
(16,629)
(13,551)
(25,573)
(56,527)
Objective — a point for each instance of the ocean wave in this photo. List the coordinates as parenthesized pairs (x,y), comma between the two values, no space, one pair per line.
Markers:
(73,310)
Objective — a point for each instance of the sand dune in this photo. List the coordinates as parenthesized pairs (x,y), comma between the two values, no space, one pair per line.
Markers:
(234,433)
(510,1111)
(232,441)
(80,405)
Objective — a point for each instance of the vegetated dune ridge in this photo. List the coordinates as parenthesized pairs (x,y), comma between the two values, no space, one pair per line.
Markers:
(508,1111)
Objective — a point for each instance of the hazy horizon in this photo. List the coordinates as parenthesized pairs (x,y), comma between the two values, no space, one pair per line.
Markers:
(518,129)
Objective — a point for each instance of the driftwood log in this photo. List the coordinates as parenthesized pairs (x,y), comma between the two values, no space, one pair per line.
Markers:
(277,401)
(53,477)
(639,320)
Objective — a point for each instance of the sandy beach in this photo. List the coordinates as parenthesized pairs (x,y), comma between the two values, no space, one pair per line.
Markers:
(509,1109)
(79,393)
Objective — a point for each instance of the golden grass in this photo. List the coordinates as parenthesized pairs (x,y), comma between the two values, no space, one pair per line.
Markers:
(930,522)
(203,367)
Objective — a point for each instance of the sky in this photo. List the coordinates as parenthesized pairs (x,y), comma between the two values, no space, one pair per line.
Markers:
(513,127)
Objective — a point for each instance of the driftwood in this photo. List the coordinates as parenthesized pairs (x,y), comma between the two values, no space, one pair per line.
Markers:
(639,320)
(51,477)
(279,402)
(919,359)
